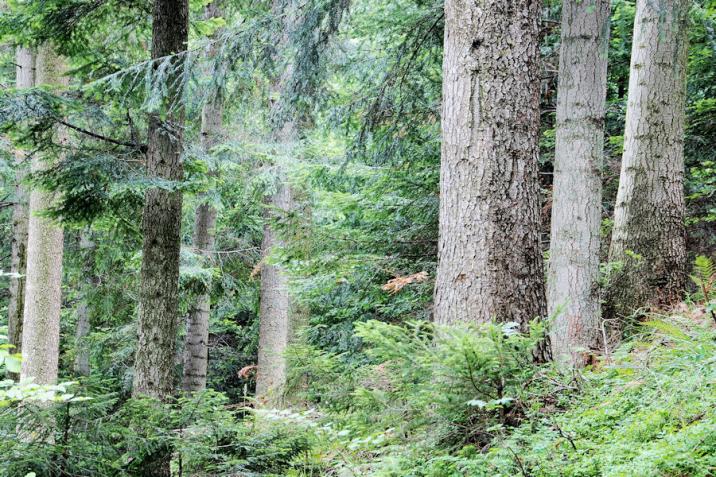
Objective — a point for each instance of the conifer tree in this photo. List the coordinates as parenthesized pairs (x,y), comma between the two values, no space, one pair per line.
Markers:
(649,237)
(275,312)
(197,333)
(489,258)
(161,220)
(24,78)
(573,290)
(41,317)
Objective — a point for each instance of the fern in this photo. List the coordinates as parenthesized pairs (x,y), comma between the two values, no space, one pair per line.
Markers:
(704,276)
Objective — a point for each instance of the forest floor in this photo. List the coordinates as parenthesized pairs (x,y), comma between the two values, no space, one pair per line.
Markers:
(647,410)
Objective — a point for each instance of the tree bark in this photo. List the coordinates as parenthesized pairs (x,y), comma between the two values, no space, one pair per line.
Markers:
(43,282)
(573,288)
(649,238)
(82,358)
(489,259)
(161,220)
(275,311)
(196,351)
(25,78)
(275,308)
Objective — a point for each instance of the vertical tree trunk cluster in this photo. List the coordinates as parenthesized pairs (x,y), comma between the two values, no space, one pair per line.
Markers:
(648,238)
(573,279)
(41,322)
(161,220)
(25,78)
(489,258)
(196,350)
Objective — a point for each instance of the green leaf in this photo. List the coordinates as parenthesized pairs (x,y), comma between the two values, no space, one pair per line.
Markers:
(667,328)
(13,363)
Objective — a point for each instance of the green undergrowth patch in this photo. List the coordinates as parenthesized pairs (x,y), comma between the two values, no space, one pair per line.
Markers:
(443,403)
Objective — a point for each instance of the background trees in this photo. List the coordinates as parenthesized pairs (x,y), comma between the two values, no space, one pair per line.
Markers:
(24,78)
(335,111)
(204,238)
(43,282)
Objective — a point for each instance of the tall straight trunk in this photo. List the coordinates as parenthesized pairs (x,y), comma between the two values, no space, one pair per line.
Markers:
(275,308)
(489,258)
(649,234)
(87,250)
(24,78)
(43,282)
(573,289)
(161,220)
(275,311)
(196,350)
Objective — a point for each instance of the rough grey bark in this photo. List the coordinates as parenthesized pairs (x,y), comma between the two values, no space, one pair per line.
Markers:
(649,234)
(161,220)
(82,330)
(196,350)
(24,78)
(41,321)
(490,263)
(572,281)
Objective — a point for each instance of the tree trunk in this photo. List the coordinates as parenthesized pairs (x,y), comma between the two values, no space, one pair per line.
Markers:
(43,282)
(490,263)
(649,233)
(82,358)
(25,78)
(275,312)
(161,220)
(275,309)
(573,289)
(196,351)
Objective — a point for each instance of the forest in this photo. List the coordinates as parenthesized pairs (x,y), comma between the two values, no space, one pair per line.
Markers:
(347,238)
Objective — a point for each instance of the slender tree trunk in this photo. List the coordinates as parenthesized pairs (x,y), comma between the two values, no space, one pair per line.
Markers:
(161,220)
(649,234)
(196,351)
(87,250)
(43,282)
(275,311)
(25,78)
(573,290)
(490,263)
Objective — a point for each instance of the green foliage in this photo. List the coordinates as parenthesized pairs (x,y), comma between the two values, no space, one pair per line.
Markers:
(446,386)
(388,393)
(650,412)
(704,277)
(106,436)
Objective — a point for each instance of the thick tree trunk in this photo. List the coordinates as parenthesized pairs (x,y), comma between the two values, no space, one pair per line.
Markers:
(25,78)
(649,234)
(41,322)
(82,358)
(490,263)
(196,351)
(161,220)
(573,289)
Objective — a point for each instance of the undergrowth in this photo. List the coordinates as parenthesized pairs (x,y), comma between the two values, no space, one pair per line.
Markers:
(448,403)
